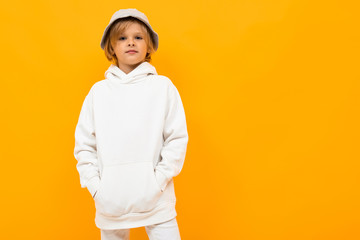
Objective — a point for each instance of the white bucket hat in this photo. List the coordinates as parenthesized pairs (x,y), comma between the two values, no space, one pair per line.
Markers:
(130,12)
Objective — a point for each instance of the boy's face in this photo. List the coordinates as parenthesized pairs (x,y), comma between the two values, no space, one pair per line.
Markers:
(131,48)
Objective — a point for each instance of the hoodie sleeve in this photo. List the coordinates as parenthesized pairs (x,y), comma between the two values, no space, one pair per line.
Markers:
(85,147)
(175,140)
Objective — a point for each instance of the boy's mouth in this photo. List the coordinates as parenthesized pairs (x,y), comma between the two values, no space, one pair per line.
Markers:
(131,51)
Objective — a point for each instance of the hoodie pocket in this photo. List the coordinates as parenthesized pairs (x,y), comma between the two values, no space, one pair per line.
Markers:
(127,188)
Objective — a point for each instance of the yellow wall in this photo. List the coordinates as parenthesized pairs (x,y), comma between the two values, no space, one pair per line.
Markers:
(271,94)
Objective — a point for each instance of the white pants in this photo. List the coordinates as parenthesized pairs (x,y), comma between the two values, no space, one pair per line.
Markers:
(162,231)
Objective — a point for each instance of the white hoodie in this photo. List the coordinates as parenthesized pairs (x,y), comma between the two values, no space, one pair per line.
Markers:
(130,141)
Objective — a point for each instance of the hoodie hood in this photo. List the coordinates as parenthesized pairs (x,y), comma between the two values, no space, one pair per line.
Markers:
(138,74)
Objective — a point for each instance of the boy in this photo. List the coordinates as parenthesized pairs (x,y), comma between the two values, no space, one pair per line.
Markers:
(131,136)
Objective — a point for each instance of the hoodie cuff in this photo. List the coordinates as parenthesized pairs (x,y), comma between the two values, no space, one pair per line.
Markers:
(93,185)
(161,180)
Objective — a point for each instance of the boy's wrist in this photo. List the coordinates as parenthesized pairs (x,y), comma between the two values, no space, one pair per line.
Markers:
(161,179)
(93,185)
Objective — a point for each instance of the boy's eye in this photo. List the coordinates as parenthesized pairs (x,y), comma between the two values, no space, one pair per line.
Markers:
(123,38)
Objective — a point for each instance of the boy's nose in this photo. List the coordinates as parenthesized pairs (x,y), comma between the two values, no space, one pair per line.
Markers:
(131,42)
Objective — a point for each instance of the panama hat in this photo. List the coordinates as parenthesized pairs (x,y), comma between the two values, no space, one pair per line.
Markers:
(130,12)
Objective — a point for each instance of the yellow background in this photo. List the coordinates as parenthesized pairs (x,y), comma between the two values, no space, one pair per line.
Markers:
(271,95)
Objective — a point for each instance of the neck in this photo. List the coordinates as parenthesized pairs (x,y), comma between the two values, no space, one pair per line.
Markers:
(128,68)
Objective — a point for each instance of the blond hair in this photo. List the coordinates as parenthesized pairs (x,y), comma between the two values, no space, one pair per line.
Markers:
(117,28)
